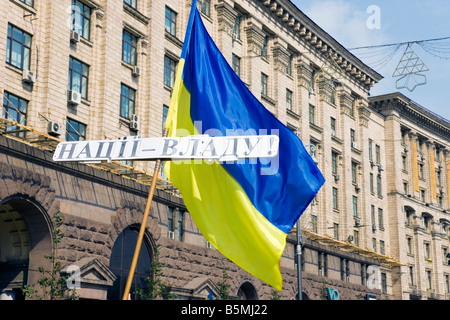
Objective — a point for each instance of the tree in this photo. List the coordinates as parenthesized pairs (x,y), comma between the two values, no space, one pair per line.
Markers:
(155,287)
(53,285)
(223,287)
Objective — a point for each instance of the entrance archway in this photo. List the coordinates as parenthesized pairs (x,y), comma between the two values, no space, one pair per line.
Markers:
(25,239)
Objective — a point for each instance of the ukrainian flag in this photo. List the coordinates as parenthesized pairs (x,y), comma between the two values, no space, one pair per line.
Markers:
(244,209)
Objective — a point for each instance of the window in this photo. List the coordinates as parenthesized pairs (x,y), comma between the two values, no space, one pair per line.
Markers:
(333,95)
(289,99)
(121,256)
(370,150)
(356,237)
(15,109)
(354,173)
(78,77)
(371,183)
(404,163)
(265,46)
(378,154)
(171,21)
(180,228)
(405,187)
(264,83)
(131,3)
(129,48)
(18,48)
(422,195)
(379,189)
(170,224)
(426,221)
(311,80)
(236,63)
(75,131)
(428,273)
(314,223)
(80,21)
(289,65)
(237,28)
(447,283)
(355,206)
(372,215)
(438,178)
(336,231)
(383,283)
(322,264)
(427,250)
(382,247)
(169,71)
(374,244)
(127,101)
(334,156)
(380,219)
(411,275)
(205,7)
(409,245)
(335,199)
(352,137)
(312,114)
(28,2)
(333,126)
(165,113)
(421,171)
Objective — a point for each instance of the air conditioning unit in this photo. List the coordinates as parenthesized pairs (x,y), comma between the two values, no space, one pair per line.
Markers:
(311,90)
(54,128)
(374,228)
(337,178)
(333,133)
(136,71)
(135,122)
(380,167)
(354,145)
(357,222)
(171,235)
(357,187)
(74,97)
(406,149)
(350,238)
(28,76)
(74,36)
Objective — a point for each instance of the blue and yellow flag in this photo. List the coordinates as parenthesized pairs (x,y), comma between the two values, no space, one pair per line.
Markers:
(244,209)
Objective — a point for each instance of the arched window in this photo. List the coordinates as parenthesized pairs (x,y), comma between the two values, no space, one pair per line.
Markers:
(247,292)
(120,263)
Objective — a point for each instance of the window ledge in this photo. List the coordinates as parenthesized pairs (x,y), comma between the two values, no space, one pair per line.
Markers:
(136,14)
(174,39)
(268,99)
(25,6)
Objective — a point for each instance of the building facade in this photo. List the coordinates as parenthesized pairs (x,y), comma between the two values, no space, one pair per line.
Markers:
(98,70)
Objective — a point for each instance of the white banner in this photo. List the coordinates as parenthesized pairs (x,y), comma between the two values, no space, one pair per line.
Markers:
(223,148)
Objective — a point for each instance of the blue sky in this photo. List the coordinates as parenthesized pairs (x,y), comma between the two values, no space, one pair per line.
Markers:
(400,21)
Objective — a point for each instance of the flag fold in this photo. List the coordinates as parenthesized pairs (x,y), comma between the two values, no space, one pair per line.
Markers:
(245,209)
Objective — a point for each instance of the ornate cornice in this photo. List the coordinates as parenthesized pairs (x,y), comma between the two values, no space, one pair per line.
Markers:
(320,41)
(411,111)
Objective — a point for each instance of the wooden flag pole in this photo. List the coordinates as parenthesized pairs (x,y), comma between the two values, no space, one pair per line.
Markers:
(137,250)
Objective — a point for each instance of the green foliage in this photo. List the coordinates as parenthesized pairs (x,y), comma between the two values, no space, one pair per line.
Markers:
(223,287)
(276,295)
(53,285)
(155,287)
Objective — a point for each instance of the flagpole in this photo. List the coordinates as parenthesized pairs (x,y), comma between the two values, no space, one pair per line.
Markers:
(299,260)
(143,226)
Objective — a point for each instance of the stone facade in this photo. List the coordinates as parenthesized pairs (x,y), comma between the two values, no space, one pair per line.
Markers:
(314,86)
